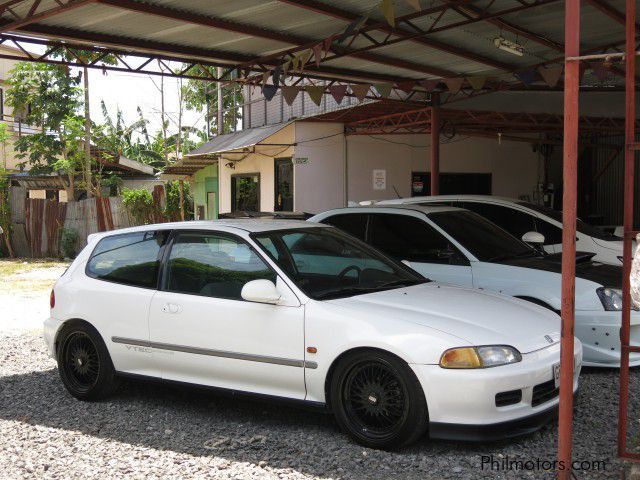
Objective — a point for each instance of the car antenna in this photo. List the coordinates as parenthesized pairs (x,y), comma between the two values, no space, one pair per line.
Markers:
(396,190)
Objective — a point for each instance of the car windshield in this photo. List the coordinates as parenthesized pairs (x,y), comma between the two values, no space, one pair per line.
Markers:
(326,263)
(581,226)
(485,240)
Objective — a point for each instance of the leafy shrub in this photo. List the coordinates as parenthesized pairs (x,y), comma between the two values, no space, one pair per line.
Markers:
(139,204)
(69,242)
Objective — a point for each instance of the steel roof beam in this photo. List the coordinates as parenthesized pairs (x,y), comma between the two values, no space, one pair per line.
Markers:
(349,16)
(32,16)
(250,30)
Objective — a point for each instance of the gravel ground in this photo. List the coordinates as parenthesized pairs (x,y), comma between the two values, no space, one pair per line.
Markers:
(154,431)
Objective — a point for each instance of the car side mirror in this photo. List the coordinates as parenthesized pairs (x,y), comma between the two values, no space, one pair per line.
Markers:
(260,291)
(534,238)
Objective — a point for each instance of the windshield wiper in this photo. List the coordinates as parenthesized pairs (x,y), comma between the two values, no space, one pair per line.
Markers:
(345,292)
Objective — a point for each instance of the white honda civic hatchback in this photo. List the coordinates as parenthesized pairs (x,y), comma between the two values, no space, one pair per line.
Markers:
(307,313)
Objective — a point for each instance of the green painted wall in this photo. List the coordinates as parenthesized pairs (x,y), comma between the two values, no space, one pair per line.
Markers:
(206,181)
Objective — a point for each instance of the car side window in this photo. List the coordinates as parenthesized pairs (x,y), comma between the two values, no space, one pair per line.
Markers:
(353,223)
(552,234)
(213,265)
(515,222)
(404,237)
(130,259)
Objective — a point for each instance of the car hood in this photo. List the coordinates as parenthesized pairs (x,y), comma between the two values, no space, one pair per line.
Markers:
(474,316)
(601,273)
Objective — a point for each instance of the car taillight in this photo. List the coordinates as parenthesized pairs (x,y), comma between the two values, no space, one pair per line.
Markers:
(52,299)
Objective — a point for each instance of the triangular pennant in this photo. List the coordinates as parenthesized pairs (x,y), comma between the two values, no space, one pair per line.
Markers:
(551,75)
(360,90)
(317,54)
(599,70)
(269,91)
(265,77)
(414,3)
(304,58)
(315,93)
(386,7)
(289,94)
(295,63)
(338,92)
(406,87)
(326,44)
(477,82)
(383,89)
(526,77)
(275,76)
(454,84)
(429,84)
(285,67)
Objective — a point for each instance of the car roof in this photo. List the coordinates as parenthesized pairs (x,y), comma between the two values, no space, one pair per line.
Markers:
(247,225)
(444,198)
(397,207)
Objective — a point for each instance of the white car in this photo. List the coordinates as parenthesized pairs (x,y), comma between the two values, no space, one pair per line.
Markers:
(520,218)
(304,312)
(459,247)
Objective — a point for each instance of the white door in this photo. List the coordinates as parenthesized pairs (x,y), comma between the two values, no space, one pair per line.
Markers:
(204,333)
(406,237)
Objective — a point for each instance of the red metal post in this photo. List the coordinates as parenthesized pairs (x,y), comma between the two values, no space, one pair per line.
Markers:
(569,212)
(435,144)
(629,176)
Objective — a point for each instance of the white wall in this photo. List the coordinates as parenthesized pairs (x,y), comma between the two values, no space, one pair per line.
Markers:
(319,184)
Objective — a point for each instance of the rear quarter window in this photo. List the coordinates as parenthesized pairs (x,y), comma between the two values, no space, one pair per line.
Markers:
(129,259)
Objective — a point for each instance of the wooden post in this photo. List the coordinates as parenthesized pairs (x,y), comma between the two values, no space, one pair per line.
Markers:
(181,185)
(569,213)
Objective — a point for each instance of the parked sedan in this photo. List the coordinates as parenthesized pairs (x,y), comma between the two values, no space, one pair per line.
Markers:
(304,312)
(460,247)
(520,218)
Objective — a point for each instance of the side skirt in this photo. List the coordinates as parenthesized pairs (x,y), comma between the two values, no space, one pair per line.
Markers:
(227,392)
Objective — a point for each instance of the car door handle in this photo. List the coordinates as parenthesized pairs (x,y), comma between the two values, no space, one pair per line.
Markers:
(172,308)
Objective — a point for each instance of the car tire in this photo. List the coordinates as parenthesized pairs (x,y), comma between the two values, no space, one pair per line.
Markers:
(84,362)
(377,399)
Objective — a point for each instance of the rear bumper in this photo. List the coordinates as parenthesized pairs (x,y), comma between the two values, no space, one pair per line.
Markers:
(599,332)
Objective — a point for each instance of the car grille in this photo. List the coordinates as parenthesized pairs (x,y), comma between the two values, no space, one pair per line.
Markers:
(544,392)
(508,398)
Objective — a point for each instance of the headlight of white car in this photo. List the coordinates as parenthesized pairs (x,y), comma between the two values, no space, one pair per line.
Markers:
(480,357)
(611,298)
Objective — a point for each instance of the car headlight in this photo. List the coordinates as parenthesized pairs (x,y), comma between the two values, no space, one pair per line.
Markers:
(611,299)
(480,357)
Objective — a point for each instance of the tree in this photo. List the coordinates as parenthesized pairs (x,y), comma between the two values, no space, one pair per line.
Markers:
(47,97)
(4,138)
(202,96)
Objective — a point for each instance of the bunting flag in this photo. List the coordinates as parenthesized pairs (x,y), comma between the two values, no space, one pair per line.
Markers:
(295,63)
(429,85)
(265,77)
(269,91)
(526,77)
(275,75)
(599,70)
(317,54)
(326,44)
(338,92)
(406,87)
(551,75)
(289,94)
(304,58)
(386,7)
(285,67)
(477,83)
(360,90)
(453,84)
(414,3)
(383,89)
(315,93)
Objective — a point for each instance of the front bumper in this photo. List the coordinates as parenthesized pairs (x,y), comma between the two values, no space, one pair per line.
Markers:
(465,400)
(599,332)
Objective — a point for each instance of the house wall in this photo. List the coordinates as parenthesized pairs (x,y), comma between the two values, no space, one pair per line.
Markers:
(204,181)
(260,161)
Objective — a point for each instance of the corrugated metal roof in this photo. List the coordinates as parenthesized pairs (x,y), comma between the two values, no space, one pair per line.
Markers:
(237,140)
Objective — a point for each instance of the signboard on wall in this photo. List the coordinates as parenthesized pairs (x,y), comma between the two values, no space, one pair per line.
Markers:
(379,179)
